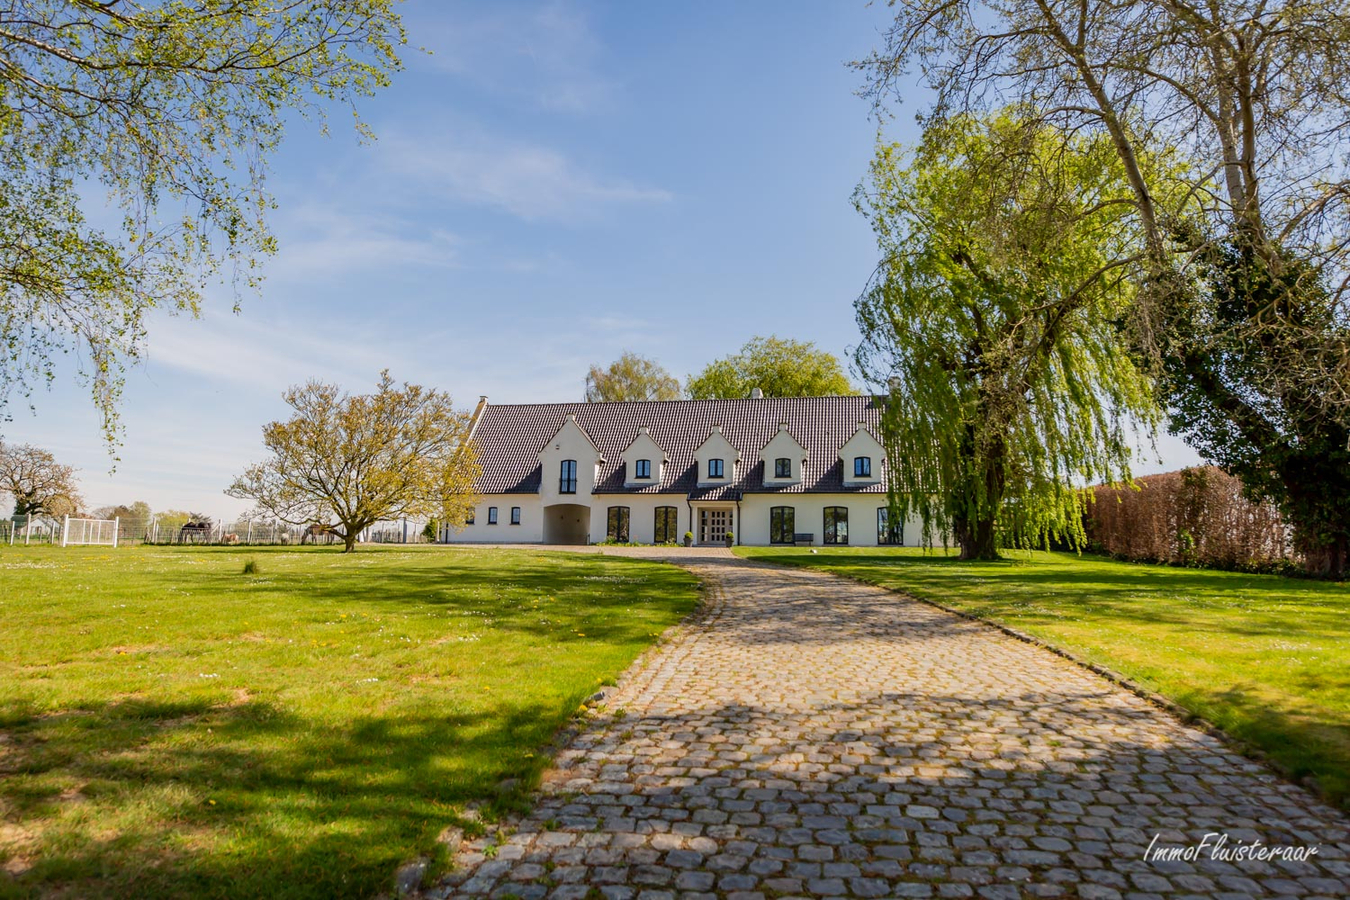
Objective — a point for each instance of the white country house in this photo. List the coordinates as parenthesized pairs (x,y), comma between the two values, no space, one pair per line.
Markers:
(772,471)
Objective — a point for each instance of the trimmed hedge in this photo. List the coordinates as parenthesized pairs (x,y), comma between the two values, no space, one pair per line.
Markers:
(1195,517)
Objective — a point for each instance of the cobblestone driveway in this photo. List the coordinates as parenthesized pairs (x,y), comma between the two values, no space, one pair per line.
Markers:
(812,737)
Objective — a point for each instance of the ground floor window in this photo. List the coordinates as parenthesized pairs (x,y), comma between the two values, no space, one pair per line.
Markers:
(667,518)
(888,533)
(616,525)
(515,515)
(492,515)
(782,524)
(836,524)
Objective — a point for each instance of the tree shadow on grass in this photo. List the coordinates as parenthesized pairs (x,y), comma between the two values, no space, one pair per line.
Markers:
(249,800)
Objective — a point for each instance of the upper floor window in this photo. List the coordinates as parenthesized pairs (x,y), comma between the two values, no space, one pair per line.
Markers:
(715,468)
(782,467)
(567,478)
(643,469)
(862,467)
(492,515)
(515,515)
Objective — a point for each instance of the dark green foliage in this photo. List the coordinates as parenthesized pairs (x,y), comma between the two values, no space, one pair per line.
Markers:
(1248,388)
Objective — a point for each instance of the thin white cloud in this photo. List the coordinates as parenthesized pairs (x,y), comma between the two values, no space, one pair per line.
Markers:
(543,53)
(324,240)
(527,181)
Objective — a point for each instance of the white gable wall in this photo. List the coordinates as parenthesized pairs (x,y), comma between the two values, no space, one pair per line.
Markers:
(783,445)
(571,442)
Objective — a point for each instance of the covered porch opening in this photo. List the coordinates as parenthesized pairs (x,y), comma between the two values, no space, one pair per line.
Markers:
(567,523)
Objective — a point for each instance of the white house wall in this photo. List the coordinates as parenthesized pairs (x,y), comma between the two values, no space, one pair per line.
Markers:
(529,531)
(809,517)
(641,517)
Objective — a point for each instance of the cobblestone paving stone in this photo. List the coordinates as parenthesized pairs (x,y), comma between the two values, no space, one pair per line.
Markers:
(812,737)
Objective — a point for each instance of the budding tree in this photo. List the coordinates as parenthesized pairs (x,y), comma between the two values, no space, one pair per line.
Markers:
(349,461)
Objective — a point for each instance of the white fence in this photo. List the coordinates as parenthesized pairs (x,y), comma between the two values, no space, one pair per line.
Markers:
(160,529)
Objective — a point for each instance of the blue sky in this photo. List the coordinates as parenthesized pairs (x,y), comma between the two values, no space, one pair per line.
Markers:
(555,183)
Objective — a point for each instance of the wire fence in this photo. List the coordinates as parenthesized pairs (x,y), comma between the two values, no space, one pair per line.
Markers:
(163,529)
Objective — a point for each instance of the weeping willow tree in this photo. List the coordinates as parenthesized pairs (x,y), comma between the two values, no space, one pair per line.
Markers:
(1008,255)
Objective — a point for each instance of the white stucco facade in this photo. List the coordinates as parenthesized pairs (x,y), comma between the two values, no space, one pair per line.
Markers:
(654,471)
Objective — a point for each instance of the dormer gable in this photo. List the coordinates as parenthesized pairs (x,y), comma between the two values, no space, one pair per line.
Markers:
(643,447)
(783,446)
(571,443)
(862,446)
(716,447)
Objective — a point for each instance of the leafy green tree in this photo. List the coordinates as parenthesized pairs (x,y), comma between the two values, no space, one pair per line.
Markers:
(347,462)
(777,366)
(993,321)
(631,377)
(1242,312)
(174,108)
(1241,394)
(36,483)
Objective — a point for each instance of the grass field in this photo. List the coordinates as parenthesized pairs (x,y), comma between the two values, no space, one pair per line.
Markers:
(172,727)
(1265,658)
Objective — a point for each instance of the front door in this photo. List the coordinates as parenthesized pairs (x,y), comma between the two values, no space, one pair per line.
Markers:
(713,525)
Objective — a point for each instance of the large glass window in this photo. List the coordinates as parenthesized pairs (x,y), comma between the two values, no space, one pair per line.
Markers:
(888,533)
(492,515)
(862,467)
(616,525)
(782,467)
(667,524)
(515,515)
(715,468)
(643,469)
(836,524)
(782,524)
(567,477)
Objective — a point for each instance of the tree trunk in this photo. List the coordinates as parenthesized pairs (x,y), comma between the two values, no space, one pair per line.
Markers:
(976,538)
(349,541)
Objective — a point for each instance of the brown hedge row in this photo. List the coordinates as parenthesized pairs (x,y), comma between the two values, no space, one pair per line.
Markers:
(1195,517)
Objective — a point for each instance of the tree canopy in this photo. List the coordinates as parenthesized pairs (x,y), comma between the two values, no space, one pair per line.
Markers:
(173,109)
(36,482)
(631,377)
(349,461)
(779,367)
(992,319)
(1243,310)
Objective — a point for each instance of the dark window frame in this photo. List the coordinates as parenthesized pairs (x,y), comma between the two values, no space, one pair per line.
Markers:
(833,520)
(642,469)
(468,520)
(862,467)
(567,484)
(887,534)
(492,515)
(782,531)
(618,527)
(515,515)
(666,532)
(721,469)
(782,467)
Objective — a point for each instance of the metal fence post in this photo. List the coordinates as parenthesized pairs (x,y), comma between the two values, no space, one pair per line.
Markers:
(117,529)
(65,530)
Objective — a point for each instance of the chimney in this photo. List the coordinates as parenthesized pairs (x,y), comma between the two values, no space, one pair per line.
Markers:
(756,394)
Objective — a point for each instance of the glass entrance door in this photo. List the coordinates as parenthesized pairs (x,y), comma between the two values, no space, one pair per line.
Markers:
(713,525)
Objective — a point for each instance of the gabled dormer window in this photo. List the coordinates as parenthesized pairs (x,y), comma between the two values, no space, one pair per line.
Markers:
(567,477)
(642,468)
(862,467)
(782,467)
(715,468)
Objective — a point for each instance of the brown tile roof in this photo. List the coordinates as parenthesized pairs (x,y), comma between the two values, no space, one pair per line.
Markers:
(509,438)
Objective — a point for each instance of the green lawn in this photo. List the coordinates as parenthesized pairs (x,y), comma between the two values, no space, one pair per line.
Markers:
(1265,658)
(172,727)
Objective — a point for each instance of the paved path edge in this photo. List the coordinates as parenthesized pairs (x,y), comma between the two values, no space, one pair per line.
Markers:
(1186,716)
